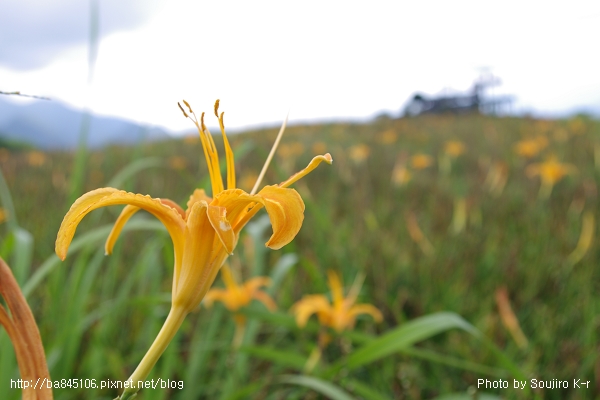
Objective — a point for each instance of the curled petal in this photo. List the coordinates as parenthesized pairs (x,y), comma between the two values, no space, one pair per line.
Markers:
(314,163)
(286,211)
(175,206)
(108,197)
(127,213)
(265,299)
(365,309)
(284,206)
(252,284)
(308,306)
(214,295)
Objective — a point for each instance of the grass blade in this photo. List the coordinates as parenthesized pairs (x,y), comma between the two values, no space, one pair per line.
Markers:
(94,236)
(324,387)
(406,335)
(285,358)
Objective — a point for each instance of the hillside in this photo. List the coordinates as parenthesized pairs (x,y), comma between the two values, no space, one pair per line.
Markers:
(49,124)
(441,213)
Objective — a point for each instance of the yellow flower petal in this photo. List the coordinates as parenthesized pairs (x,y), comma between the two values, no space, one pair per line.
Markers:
(218,219)
(335,285)
(108,197)
(198,195)
(265,299)
(252,284)
(127,213)
(286,211)
(203,256)
(366,309)
(314,163)
(284,206)
(227,277)
(308,306)
(214,295)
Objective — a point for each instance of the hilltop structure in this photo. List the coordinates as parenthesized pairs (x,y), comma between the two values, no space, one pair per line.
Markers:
(473,102)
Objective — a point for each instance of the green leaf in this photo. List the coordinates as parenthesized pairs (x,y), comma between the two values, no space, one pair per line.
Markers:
(133,168)
(246,391)
(455,362)
(22,253)
(324,387)
(365,391)
(406,335)
(278,356)
(88,238)
(280,270)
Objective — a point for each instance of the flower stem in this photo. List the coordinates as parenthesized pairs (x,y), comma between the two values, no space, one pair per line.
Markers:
(166,334)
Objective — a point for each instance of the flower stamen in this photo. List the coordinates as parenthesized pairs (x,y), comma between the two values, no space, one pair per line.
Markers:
(271,154)
(228,151)
(208,146)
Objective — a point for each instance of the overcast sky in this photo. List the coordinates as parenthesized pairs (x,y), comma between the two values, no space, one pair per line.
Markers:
(319,59)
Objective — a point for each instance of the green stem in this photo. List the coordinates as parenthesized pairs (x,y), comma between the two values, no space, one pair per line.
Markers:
(166,334)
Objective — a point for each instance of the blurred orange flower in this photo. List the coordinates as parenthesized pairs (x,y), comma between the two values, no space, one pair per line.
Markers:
(388,137)
(400,175)
(359,153)
(248,179)
(421,161)
(454,148)
(530,147)
(289,150)
(177,162)
(36,158)
(340,313)
(319,147)
(236,296)
(550,172)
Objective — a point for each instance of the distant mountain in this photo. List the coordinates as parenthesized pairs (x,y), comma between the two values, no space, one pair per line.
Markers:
(49,124)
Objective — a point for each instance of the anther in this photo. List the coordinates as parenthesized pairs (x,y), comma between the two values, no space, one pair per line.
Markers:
(188,106)
(202,122)
(182,110)
(217,108)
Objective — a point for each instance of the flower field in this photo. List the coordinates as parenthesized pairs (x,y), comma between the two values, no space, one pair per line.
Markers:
(460,248)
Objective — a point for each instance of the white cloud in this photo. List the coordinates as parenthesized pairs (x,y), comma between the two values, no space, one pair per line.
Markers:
(328,59)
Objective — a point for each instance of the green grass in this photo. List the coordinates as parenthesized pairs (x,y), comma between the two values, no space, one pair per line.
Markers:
(98,315)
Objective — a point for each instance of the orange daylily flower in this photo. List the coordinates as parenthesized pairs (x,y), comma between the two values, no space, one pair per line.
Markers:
(36,158)
(400,175)
(530,147)
(359,153)
(421,161)
(550,172)
(340,313)
(203,235)
(454,148)
(388,136)
(236,296)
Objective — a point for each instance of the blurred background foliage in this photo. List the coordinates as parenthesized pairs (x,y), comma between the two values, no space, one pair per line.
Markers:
(466,231)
